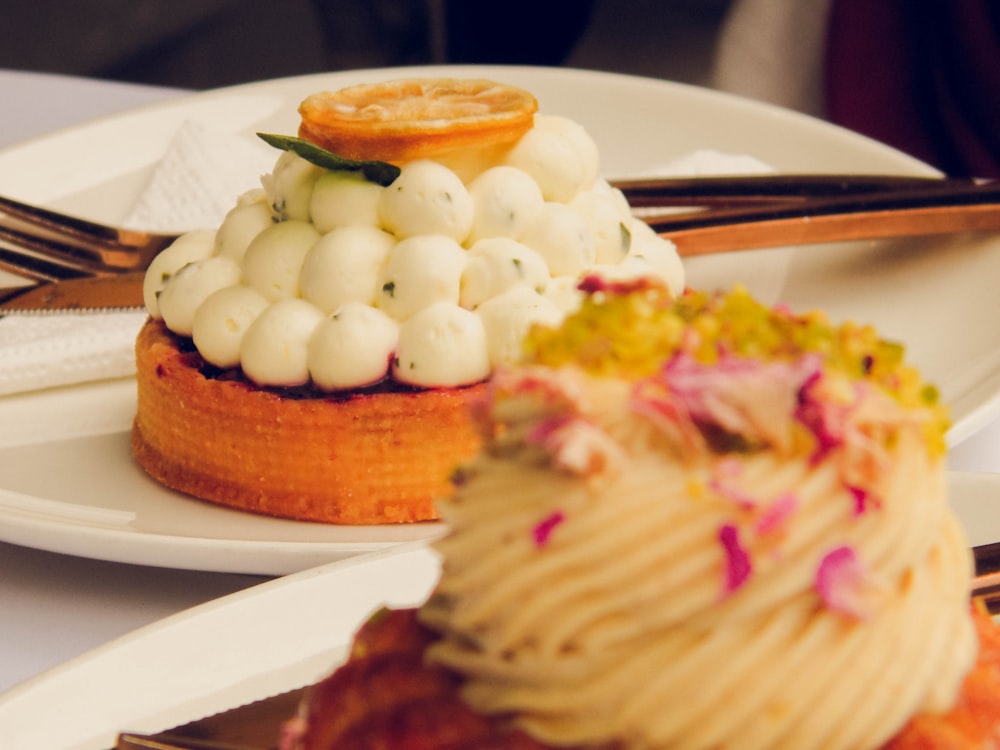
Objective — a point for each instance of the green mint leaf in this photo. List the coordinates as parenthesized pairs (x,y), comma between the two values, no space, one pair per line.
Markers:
(379,172)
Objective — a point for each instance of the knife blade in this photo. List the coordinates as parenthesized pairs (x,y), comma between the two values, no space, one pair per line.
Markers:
(109,292)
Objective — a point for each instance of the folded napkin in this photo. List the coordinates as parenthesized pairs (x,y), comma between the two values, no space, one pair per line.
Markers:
(196,183)
(199,179)
(41,351)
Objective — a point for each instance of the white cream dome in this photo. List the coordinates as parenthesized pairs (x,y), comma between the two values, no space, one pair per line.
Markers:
(352,347)
(322,276)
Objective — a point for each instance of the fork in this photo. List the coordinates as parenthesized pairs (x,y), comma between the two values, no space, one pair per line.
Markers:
(45,245)
(730,213)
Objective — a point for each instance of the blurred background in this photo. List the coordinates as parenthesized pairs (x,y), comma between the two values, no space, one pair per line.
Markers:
(918,74)
(209,43)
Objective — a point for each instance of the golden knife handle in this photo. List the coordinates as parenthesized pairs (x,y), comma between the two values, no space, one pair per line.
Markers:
(972,208)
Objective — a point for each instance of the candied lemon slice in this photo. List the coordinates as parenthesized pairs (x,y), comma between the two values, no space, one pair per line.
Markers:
(402,120)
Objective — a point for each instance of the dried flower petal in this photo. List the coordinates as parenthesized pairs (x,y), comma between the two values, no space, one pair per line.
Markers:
(777,514)
(595,283)
(862,499)
(543,530)
(840,582)
(740,395)
(735,495)
(739,566)
(577,446)
(539,383)
(728,467)
(823,416)
(651,399)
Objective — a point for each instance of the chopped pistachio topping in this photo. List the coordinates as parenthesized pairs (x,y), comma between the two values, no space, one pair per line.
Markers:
(633,330)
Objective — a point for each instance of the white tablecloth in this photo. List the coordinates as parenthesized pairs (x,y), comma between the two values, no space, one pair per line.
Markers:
(54,607)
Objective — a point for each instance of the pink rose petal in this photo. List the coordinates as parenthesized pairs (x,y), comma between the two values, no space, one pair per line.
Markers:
(652,399)
(738,395)
(595,283)
(576,446)
(828,420)
(546,428)
(543,530)
(734,494)
(840,582)
(738,563)
(863,500)
(729,467)
(725,392)
(777,514)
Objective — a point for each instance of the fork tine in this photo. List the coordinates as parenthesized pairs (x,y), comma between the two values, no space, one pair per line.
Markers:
(57,223)
(36,267)
(76,242)
(37,254)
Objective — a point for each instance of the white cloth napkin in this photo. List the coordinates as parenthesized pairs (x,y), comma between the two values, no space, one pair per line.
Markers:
(196,183)
(42,351)
(199,179)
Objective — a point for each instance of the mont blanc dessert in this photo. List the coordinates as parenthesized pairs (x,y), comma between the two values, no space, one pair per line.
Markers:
(315,356)
(695,522)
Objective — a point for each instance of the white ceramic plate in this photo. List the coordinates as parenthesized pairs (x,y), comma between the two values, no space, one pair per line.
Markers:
(274,637)
(81,494)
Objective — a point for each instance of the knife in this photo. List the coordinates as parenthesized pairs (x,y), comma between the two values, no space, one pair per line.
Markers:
(120,291)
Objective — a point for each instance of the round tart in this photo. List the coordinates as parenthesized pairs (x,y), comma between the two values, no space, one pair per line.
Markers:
(315,355)
(365,457)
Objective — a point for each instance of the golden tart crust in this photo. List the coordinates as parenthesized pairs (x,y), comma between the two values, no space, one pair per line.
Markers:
(365,458)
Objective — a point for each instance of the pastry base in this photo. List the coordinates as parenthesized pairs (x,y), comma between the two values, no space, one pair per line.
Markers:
(365,458)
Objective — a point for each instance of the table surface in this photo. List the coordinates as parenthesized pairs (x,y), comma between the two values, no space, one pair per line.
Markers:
(55,607)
